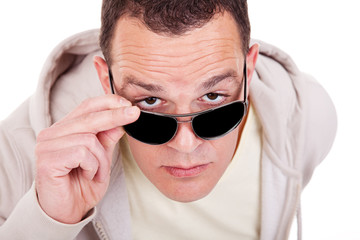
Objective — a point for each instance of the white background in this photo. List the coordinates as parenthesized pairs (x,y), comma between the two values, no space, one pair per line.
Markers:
(322,36)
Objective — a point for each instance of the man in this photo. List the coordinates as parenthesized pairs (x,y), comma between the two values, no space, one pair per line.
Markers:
(198,135)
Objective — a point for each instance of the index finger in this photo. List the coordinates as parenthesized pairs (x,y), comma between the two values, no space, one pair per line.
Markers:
(93,122)
(97,104)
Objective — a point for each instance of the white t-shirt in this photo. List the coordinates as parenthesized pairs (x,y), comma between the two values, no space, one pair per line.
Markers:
(230,211)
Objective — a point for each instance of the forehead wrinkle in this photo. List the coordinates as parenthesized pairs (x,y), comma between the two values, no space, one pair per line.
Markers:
(146,63)
(120,57)
(209,55)
(147,70)
(125,48)
(210,65)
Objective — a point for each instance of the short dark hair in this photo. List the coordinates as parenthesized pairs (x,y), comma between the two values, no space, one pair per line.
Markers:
(171,17)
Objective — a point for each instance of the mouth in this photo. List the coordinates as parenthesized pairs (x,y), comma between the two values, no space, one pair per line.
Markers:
(186,172)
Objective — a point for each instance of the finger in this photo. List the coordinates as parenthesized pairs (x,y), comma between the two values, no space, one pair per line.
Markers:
(66,160)
(84,139)
(110,138)
(90,141)
(97,104)
(92,123)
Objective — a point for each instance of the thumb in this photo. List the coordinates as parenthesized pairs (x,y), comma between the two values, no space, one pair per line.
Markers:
(110,138)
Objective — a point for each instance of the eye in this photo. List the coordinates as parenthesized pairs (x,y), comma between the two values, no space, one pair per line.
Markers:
(213,98)
(149,102)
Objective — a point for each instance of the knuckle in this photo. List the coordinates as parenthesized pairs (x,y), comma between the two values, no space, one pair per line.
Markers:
(91,140)
(42,135)
(86,103)
(87,119)
(124,102)
(38,150)
(41,167)
(42,164)
(81,152)
(113,117)
(109,118)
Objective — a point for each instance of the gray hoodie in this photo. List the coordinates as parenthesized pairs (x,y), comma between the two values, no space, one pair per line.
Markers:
(297,117)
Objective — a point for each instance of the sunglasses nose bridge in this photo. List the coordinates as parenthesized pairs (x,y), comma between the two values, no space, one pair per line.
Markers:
(184,119)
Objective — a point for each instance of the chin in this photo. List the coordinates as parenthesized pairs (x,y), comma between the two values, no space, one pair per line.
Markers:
(186,198)
(187,191)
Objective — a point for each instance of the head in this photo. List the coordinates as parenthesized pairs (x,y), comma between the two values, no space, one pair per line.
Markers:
(177,57)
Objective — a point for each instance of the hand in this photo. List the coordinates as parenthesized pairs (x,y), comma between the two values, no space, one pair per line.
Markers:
(73,156)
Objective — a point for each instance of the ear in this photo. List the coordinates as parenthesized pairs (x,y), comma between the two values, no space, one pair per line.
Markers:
(103,73)
(251,59)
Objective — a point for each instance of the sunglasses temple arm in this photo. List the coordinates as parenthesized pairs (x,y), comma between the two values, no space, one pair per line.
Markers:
(111,82)
(245,83)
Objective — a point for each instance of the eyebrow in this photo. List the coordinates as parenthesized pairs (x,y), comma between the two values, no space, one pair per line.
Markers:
(131,80)
(213,81)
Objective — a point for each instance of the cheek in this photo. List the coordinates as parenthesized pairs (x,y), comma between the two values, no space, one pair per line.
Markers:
(145,155)
(225,147)
(149,159)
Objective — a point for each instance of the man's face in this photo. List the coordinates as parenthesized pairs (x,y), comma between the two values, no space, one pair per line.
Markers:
(199,70)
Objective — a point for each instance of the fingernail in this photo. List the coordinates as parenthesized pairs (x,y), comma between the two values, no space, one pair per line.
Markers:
(123,102)
(131,110)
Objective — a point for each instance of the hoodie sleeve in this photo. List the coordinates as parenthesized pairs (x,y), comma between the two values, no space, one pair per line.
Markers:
(27,211)
(21,216)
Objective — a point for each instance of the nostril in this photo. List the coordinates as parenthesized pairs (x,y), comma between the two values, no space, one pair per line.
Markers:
(185,140)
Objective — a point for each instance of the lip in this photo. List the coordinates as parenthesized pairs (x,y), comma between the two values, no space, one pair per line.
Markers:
(186,172)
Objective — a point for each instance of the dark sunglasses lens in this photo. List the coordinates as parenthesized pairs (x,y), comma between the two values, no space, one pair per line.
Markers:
(220,121)
(152,129)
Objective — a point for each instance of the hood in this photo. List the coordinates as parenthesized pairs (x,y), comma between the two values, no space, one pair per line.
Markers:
(296,114)
(298,117)
(65,59)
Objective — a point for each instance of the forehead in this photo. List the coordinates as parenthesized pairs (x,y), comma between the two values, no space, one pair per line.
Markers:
(208,50)
(131,32)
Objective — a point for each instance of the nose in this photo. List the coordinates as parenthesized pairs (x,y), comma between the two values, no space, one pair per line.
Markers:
(185,140)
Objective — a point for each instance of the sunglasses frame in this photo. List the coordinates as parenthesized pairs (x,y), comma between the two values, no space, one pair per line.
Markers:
(195,114)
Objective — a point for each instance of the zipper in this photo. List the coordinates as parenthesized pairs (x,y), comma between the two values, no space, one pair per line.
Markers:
(100,230)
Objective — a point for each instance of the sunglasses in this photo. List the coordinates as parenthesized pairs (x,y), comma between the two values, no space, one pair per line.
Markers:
(159,128)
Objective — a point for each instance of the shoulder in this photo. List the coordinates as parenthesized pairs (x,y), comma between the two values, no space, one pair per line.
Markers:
(297,114)
(17,137)
(17,142)
(318,126)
